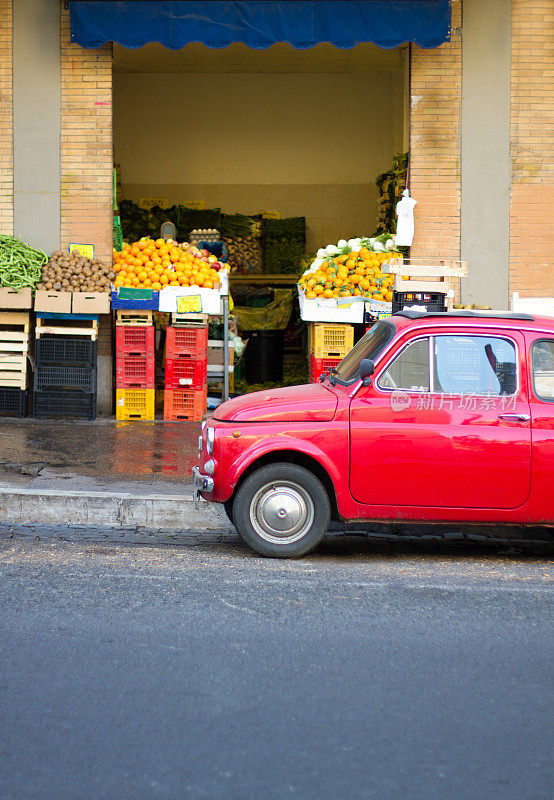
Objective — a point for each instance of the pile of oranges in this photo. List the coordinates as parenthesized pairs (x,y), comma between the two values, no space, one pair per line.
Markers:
(357,274)
(149,264)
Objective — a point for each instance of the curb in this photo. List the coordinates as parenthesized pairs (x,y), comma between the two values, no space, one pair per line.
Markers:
(113,510)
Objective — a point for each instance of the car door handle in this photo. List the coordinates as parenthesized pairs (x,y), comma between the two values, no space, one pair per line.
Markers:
(515,417)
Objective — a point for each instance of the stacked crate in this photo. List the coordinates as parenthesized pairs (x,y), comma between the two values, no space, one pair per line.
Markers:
(65,365)
(424,286)
(135,366)
(14,349)
(328,346)
(186,370)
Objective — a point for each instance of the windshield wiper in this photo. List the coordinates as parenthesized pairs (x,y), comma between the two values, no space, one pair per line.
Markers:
(329,375)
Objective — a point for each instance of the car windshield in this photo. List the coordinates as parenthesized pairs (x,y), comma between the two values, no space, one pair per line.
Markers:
(369,346)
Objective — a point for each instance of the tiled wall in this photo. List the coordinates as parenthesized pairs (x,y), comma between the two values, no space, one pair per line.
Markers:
(532,148)
(86,146)
(6,118)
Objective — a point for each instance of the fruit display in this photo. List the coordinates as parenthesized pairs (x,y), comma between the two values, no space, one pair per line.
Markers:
(155,264)
(72,272)
(352,269)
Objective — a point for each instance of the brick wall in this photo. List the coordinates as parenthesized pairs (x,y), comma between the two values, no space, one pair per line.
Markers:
(532,148)
(6,119)
(435,93)
(86,144)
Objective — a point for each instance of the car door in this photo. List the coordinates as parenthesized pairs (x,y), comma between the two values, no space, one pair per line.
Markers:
(444,423)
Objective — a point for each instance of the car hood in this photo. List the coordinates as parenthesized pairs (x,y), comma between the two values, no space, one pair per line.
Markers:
(313,402)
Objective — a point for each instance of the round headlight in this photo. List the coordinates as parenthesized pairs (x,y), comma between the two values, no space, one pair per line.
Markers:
(210,439)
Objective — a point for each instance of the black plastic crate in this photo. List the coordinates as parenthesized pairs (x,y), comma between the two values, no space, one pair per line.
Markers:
(430,301)
(13,402)
(63,404)
(66,377)
(70,350)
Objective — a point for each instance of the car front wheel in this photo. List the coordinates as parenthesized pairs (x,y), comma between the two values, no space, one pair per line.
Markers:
(282,510)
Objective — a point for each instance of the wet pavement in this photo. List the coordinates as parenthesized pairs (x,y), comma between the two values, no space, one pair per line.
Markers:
(41,451)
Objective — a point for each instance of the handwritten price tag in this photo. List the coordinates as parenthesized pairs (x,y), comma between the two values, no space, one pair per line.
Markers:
(191,303)
(86,250)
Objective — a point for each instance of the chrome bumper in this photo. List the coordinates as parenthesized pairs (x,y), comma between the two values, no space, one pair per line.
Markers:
(201,483)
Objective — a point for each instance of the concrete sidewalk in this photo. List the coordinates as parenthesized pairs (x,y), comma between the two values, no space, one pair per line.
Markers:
(119,504)
(102,473)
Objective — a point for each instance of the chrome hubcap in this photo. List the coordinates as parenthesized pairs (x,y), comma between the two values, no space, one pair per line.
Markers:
(281,512)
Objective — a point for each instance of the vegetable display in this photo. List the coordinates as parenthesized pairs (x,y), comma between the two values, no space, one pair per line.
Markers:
(20,264)
(149,264)
(352,269)
(72,272)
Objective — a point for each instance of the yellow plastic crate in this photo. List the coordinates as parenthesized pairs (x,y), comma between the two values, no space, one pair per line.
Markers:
(331,341)
(135,404)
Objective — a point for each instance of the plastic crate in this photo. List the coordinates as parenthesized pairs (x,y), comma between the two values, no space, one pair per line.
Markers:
(135,404)
(185,373)
(65,350)
(332,341)
(13,402)
(134,340)
(137,372)
(430,301)
(63,404)
(187,342)
(81,379)
(185,404)
(149,304)
(320,365)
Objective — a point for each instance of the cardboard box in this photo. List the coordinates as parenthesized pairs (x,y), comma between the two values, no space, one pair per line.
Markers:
(215,352)
(54,302)
(12,298)
(90,303)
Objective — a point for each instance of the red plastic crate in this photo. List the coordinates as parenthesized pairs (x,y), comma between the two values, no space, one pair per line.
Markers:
(185,373)
(320,365)
(187,342)
(134,340)
(185,404)
(135,372)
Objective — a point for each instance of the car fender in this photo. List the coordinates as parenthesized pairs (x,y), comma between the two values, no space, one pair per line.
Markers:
(265,446)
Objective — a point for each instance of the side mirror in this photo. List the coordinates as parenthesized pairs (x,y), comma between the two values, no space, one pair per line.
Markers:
(367,368)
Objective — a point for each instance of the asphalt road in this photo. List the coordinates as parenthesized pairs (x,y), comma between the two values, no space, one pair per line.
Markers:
(193,669)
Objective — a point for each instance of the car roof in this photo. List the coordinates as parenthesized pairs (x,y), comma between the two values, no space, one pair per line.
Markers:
(410,318)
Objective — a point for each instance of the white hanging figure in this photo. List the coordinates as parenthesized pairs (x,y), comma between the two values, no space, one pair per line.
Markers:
(405,225)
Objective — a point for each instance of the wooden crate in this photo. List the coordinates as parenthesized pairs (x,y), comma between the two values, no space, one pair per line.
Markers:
(419,275)
(14,346)
(134,317)
(189,320)
(66,325)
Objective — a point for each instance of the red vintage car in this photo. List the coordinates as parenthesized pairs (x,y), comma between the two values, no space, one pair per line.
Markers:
(429,418)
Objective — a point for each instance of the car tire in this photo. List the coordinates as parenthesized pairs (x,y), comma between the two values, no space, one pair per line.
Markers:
(228,506)
(282,511)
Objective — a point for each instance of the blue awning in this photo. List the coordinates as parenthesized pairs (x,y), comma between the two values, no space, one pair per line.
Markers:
(301,23)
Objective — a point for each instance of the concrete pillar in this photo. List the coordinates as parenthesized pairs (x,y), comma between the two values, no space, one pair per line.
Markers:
(485,150)
(36,122)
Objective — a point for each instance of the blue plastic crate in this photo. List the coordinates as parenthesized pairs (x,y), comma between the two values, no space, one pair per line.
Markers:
(152,304)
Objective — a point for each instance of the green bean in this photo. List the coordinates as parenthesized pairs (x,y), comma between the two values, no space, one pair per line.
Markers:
(20,264)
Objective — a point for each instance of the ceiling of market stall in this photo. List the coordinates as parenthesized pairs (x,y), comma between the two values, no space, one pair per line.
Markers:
(196,57)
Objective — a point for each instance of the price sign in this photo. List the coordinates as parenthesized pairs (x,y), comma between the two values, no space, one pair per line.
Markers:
(86,250)
(190,303)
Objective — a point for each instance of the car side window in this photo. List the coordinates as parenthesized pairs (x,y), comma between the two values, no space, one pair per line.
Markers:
(542,366)
(476,365)
(409,370)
